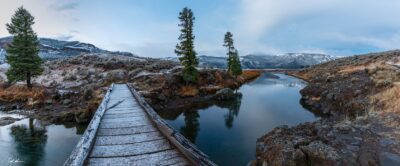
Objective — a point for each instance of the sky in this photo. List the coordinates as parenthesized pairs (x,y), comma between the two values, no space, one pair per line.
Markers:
(149,27)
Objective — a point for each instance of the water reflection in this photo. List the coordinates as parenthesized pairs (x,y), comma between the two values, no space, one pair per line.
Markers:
(233,107)
(192,125)
(229,139)
(30,142)
(279,80)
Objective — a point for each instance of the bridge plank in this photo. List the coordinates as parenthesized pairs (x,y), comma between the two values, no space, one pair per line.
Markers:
(114,116)
(173,160)
(132,110)
(139,160)
(120,112)
(124,119)
(113,125)
(131,149)
(127,139)
(126,131)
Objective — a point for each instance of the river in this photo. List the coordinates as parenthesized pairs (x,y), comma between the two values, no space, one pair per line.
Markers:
(227,131)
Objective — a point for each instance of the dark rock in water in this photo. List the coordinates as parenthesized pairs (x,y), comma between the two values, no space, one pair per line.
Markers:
(270,75)
(66,102)
(7,120)
(225,94)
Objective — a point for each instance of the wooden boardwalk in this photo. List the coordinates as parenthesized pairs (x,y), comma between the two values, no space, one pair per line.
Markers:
(126,131)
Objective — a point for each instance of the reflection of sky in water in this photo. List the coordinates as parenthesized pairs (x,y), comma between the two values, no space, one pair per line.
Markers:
(36,144)
(265,104)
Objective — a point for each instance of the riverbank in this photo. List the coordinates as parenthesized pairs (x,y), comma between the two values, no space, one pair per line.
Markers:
(360,97)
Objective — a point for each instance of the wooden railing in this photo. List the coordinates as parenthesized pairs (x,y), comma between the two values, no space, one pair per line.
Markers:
(179,141)
(82,149)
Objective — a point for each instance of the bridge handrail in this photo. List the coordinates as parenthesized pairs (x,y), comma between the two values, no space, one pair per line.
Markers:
(184,146)
(82,149)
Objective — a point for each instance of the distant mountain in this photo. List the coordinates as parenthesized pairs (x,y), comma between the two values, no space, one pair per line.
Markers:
(285,61)
(289,60)
(55,49)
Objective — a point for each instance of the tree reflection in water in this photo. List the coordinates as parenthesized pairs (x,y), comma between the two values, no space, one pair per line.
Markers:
(30,142)
(233,107)
(191,116)
(192,125)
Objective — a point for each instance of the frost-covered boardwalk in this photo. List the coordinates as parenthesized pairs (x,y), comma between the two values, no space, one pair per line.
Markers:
(126,131)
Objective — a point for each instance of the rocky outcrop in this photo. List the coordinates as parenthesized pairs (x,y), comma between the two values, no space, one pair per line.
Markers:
(224,94)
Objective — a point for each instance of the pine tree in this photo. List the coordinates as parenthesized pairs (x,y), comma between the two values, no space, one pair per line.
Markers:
(236,67)
(185,48)
(228,43)
(22,53)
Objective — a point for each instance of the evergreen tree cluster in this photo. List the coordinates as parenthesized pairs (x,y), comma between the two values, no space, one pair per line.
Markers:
(185,49)
(234,66)
(22,53)
(187,55)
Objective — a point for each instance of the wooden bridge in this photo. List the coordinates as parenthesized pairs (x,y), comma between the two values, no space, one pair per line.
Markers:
(125,130)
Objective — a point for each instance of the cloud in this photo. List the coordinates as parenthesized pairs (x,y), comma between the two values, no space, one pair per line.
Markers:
(64,37)
(325,26)
(48,22)
(64,6)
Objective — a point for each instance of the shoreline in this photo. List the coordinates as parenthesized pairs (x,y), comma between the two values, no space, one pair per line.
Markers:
(361,121)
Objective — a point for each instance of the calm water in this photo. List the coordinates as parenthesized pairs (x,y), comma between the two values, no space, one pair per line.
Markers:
(227,131)
(28,142)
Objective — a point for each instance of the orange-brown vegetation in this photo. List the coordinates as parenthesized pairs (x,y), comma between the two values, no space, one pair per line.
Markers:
(249,75)
(188,91)
(21,93)
(387,101)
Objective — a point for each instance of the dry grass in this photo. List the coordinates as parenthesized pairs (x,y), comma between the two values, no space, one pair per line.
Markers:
(385,76)
(387,101)
(21,93)
(188,91)
(248,75)
(387,105)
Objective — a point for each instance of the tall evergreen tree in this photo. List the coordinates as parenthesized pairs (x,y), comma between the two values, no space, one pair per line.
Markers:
(22,53)
(185,48)
(236,67)
(228,43)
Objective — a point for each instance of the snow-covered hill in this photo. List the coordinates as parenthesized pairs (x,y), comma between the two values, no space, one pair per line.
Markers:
(287,61)
(55,49)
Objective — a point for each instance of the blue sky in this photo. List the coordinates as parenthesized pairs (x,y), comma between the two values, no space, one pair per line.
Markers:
(149,27)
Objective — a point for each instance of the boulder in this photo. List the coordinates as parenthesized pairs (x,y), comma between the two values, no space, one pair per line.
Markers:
(66,102)
(224,94)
